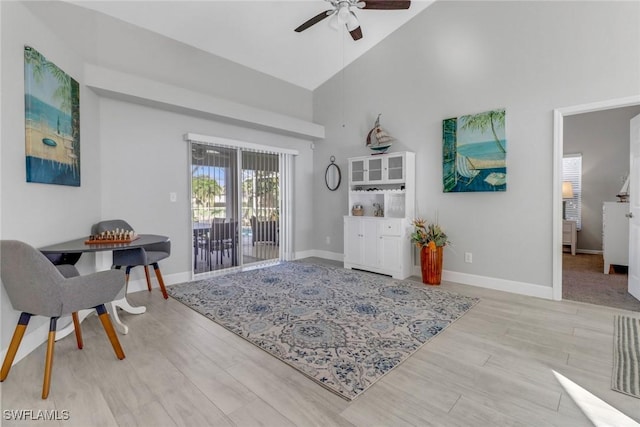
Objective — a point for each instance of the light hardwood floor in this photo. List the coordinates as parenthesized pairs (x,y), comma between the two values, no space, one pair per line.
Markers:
(493,367)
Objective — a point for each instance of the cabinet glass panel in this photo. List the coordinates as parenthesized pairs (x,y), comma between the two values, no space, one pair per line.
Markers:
(375,170)
(395,167)
(357,171)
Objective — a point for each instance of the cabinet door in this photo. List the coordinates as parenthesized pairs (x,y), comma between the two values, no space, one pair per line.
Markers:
(389,244)
(370,242)
(390,252)
(353,241)
(395,168)
(356,171)
(374,170)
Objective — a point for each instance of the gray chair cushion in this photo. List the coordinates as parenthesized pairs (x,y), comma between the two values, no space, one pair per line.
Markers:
(147,255)
(90,291)
(34,285)
(68,270)
(130,257)
(153,257)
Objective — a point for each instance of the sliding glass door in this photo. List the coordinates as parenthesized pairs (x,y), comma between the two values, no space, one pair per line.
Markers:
(235,204)
(260,206)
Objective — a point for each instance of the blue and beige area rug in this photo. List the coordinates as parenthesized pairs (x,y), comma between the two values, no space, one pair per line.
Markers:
(344,329)
(626,356)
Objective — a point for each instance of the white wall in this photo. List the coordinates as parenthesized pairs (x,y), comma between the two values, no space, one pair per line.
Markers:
(602,138)
(37,213)
(459,58)
(144,158)
(131,156)
(113,44)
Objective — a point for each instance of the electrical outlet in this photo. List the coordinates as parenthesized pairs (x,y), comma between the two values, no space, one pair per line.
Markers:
(468,257)
(328,240)
(173,197)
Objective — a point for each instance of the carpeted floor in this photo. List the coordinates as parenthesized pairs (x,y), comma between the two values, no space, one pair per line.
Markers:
(583,280)
(345,329)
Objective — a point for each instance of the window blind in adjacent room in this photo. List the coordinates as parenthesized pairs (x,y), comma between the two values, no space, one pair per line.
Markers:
(572,172)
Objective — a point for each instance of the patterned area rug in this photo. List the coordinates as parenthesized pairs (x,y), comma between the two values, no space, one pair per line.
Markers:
(342,328)
(626,356)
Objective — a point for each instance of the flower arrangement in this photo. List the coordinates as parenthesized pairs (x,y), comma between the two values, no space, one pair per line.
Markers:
(428,234)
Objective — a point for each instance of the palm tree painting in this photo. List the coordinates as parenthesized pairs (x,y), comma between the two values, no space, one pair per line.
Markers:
(474,149)
(52,122)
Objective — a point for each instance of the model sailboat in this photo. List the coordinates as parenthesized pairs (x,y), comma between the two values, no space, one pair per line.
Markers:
(623,194)
(378,139)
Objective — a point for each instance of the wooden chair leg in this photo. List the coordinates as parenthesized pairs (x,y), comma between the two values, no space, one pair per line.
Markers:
(76,327)
(146,273)
(111,333)
(48,363)
(156,268)
(15,343)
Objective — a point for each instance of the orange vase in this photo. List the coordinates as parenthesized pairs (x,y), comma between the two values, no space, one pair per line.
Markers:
(431,263)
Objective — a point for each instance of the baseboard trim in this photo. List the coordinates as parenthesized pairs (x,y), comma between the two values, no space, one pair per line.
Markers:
(319,254)
(521,288)
(138,285)
(588,251)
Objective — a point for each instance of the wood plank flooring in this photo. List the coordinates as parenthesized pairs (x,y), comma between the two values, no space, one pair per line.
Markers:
(493,367)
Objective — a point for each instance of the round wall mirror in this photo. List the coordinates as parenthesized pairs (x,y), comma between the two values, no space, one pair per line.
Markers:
(332,175)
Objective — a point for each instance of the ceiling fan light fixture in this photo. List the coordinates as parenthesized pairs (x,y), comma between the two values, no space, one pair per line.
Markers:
(343,13)
(352,22)
(334,22)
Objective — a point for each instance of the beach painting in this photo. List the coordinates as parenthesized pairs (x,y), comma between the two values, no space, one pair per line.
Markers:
(474,150)
(52,122)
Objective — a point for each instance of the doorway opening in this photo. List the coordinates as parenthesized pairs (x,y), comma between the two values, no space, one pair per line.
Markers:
(588,260)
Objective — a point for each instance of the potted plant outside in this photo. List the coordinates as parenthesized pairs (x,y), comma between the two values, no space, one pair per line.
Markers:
(431,239)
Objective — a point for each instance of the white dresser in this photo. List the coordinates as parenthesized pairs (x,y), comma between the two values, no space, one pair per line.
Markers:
(615,234)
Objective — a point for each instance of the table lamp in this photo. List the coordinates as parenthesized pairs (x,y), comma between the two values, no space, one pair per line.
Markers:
(567,193)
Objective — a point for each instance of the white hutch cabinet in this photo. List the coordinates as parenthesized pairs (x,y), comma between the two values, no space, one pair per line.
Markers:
(380,184)
(615,234)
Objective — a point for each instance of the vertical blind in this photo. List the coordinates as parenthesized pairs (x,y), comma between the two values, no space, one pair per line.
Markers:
(214,207)
(246,185)
(260,208)
(572,172)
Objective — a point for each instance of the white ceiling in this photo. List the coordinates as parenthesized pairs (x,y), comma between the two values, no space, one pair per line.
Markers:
(259,34)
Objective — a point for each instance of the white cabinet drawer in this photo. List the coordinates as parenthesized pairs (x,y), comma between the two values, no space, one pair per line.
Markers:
(390,228)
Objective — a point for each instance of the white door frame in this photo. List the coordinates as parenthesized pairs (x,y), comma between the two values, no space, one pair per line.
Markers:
(558,150)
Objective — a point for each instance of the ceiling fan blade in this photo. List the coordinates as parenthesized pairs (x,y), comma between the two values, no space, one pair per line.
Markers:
(386,4)
(356,33)
(319,17)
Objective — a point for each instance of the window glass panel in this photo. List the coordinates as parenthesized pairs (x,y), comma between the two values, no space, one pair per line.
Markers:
(375,170)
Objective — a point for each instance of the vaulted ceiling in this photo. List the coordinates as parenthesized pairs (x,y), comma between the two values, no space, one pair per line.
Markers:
(259,34)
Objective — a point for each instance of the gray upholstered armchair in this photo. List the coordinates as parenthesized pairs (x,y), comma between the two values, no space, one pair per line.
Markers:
(36,287)
(129,258)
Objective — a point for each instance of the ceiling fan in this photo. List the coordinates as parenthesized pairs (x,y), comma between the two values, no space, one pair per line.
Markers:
(342,13)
